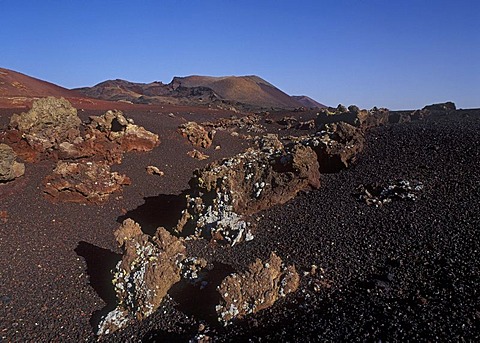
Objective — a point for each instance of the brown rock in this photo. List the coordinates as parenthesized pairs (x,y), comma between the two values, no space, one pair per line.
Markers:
(9,168)
(337,147)
(48,123)
(83,182)
(256,289)
(149,267)
(152,170)
(197,155)
(197,135)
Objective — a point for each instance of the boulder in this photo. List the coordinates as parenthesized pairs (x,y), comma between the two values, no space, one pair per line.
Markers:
(255,289)
(197,135)
(9,168)
(48,123)
(150,266)
(198,155)
(83,182)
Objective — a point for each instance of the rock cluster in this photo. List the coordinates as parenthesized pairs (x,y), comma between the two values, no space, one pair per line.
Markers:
(52,129)
(86,181)
(256,289)
(197,135)
(9,167)
(226,191)
(149,267)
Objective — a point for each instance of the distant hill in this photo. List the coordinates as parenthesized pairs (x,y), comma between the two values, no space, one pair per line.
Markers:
(251,90)
(14,84)
(308,102)
(244,92)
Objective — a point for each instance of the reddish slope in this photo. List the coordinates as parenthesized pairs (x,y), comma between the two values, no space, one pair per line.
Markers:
(14,84)
(251,90)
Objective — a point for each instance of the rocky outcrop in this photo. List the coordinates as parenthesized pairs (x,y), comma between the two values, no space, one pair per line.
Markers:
(197,135)
(226,191)
(48,123)
(85,181)
(108,137)
(434,109)
(51,129)
(117,128)
(149,267)
(337,146)
(9,168)
(256,289)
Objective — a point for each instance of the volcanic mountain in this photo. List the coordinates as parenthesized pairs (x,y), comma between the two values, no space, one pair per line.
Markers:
(16,88)
(239,91)
(307,101)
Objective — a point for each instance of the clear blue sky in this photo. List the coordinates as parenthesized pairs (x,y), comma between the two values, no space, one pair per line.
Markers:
(391,53)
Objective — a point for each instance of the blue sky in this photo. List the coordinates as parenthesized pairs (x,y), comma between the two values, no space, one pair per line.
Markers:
(391,53)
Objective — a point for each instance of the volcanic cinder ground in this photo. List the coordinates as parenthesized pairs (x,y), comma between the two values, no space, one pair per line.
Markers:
(404,271)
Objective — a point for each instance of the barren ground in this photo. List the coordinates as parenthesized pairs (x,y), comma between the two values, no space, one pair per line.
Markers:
(407,271)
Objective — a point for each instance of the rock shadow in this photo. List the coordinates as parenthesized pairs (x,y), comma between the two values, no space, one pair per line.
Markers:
(100,263)
(199,299)
(162,210)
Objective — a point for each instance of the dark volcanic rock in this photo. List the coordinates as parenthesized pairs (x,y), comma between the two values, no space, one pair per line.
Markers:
(9,168)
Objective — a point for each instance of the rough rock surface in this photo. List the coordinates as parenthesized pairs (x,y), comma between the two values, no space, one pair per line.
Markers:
(9,168)
(149,267)
(256,289)
(108,137)
(83,182)
(434,109)
(48,123)
(197,135)
(226,191)
(337,146)
(153,170)
(197,155)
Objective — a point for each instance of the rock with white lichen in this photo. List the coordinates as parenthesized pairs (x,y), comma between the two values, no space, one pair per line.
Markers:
(255,289)
(225,192)
(9,168)
(83,182)
(149,267)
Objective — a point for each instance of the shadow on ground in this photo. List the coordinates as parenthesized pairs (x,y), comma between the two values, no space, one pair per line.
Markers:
(100,262)
(163,210)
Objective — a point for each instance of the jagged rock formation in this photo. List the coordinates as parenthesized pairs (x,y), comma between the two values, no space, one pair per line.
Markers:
(149,267)
(48,123)
(85,181)
(434,109)
(9,168)
(225,191)
(197,135)
(256,289)
(51,129)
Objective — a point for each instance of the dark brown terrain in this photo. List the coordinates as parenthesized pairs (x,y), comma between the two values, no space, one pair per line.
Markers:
(404,268)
